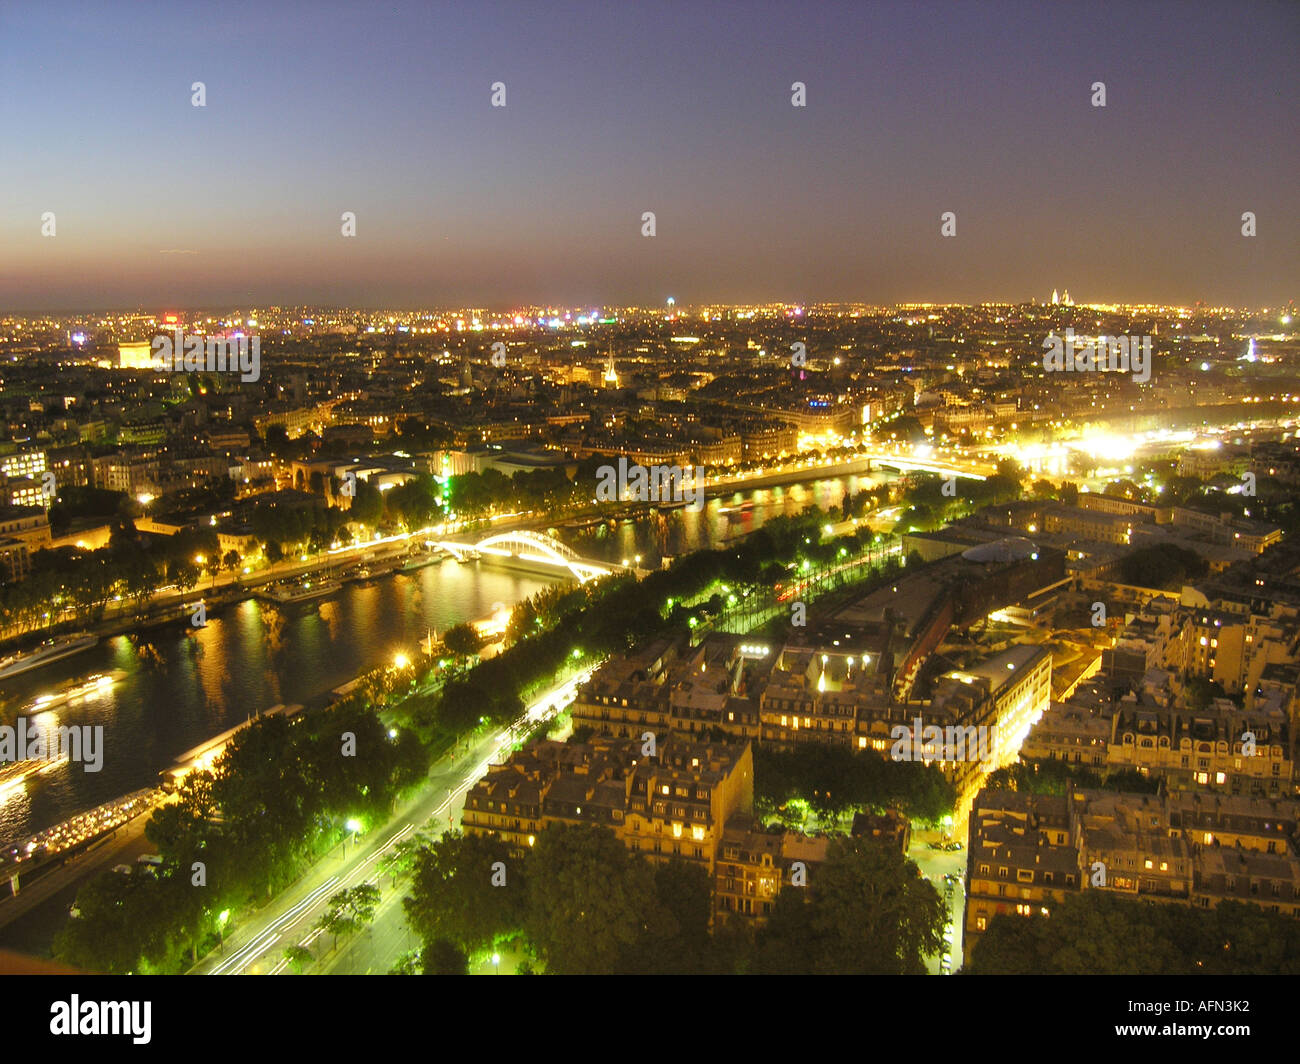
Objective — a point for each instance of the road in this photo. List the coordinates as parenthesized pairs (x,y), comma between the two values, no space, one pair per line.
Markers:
(257,946)
(934,865)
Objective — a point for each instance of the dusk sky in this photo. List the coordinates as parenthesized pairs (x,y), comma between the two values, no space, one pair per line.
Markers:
(684,109)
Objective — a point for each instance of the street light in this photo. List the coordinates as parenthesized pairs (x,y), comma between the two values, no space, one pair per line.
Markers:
(496,959)
(353,826)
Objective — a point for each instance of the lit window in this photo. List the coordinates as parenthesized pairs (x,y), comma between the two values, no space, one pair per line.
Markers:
(1220,777)
(677,830)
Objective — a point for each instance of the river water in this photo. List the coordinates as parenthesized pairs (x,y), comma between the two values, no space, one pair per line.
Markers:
(183,686)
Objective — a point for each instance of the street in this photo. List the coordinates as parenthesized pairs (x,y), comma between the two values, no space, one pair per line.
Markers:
(257,946)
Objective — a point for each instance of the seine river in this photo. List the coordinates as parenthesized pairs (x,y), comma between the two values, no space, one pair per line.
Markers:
(183,687)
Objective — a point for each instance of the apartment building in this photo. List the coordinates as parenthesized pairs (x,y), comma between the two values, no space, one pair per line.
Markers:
(1027,852)
(756,863)
(673,803)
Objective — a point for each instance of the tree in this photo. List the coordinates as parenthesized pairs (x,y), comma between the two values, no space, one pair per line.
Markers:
(299,958)
(462,639)
(367,504)
(118,929)
(867,910)
(677,941)
(441,957)
(1099,933)
(587,900)
(337,923)
(183,574)
(357,903)
(453,896)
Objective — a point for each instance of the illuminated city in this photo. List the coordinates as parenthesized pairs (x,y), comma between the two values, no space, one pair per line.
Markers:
(599,570)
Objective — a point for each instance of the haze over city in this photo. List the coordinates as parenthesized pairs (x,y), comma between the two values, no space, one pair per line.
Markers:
(685,110)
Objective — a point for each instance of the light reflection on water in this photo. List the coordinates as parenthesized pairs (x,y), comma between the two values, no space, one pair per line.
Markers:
(183,686)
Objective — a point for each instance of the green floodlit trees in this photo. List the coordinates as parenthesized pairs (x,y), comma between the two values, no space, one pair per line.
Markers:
(866,911)
(274,802)
(832,782)
(452,894)
(582,903)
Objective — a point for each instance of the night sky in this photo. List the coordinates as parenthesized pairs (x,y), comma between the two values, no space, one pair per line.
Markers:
(618,108)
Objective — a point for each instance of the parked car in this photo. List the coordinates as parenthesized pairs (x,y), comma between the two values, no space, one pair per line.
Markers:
(122,869)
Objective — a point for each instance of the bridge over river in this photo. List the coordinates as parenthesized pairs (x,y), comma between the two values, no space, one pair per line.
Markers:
(528,546)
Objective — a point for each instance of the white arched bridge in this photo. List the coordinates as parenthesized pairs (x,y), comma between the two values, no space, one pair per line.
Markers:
(530,547)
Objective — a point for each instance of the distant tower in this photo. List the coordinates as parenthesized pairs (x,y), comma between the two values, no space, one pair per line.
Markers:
(1056,298)
(1066,299)
(610,378)
(466,374)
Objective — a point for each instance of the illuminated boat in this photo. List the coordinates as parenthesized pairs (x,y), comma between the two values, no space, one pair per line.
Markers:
(49,651)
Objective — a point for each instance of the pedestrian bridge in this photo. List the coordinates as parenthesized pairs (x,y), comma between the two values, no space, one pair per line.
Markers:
(530,547)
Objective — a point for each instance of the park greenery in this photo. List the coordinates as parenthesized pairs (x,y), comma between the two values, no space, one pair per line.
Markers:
(1049,776)
(579,902)
(832,783)
(280,797)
